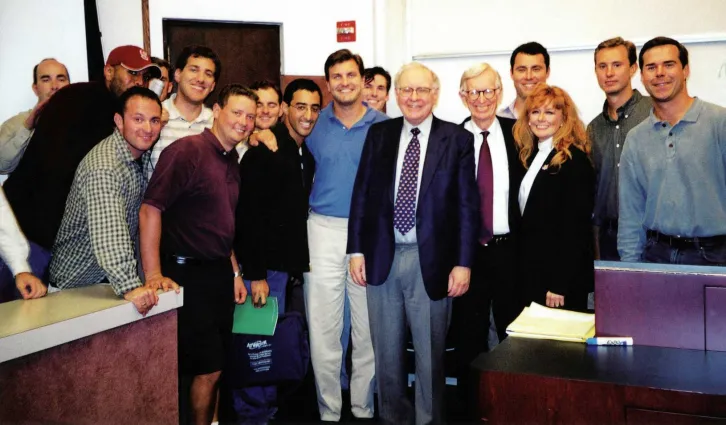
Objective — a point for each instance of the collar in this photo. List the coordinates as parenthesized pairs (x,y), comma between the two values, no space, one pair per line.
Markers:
(122,149)
(545,145)
(691,114)
(174,114)
(510,108)
(624,109)
(424,126)
(367,119)
(493,128)
(210,138)
(284,138)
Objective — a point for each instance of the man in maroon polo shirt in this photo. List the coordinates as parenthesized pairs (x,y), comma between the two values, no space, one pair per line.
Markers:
(187,232)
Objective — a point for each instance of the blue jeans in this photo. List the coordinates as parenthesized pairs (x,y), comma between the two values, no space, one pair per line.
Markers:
(39,260)
(700,253)
(277,281)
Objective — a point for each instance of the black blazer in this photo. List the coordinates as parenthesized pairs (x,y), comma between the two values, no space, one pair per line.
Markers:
(516,170)
(447,219)
(271,225)
(555,239)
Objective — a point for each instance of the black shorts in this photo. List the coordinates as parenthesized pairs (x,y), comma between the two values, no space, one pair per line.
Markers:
(204,329)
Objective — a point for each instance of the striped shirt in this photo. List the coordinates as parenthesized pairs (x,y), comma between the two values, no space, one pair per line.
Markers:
(176,128)
(100,226)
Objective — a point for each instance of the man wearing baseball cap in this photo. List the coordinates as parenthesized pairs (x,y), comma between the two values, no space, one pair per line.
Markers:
(72,123)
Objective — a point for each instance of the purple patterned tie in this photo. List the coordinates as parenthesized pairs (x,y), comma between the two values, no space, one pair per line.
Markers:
(404,212)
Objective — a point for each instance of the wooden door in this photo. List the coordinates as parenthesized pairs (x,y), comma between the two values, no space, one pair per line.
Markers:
(249,52)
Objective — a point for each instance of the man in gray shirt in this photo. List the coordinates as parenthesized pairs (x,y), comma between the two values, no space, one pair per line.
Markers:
(49,76)
(624,108)
(673,169)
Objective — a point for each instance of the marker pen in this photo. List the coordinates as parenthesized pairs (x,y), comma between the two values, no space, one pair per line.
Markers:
(613,340)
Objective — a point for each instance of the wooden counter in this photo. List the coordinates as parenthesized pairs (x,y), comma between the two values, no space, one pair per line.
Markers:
(86,356)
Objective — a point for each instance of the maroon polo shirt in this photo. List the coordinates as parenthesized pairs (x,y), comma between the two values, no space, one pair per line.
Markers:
(195,185)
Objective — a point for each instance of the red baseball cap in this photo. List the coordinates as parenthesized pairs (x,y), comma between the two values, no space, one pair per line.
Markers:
(132,58)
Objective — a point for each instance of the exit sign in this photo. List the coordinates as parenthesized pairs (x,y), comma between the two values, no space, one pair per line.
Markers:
(345,31)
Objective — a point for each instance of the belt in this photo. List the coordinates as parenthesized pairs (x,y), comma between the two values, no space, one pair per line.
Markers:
(498,239)
(191,261)
(685,242)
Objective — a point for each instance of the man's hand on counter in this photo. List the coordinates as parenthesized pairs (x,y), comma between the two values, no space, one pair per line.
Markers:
(30,286)
(158,281)
(143,297)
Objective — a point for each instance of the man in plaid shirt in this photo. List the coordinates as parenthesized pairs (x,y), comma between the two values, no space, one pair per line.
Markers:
(100,227)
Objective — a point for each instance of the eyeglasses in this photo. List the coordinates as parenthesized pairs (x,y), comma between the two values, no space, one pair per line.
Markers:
(407,92)
(302,108)
(474,94)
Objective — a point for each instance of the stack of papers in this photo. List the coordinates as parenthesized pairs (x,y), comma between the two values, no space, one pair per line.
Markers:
(255,321)
(541,322)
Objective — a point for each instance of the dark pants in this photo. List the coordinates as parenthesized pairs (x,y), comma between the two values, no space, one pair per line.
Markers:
(204,329)
(492,283)
(608,236)
(39,259)
(694,251)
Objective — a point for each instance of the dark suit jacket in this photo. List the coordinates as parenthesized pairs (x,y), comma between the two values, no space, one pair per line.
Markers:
(555,239)
(447,217)
(516,170)
(271,224)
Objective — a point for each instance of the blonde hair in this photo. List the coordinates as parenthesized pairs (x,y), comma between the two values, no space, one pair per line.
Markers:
(476,71)
(572,132)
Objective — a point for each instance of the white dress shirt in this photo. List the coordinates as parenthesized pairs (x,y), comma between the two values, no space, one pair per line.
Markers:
(500,169)
(423,140)
(545,147)
(14,248)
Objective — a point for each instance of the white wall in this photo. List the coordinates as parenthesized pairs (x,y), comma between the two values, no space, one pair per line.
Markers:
(495,25)
(449,37)
(31,30)
(308,28)
(120,23)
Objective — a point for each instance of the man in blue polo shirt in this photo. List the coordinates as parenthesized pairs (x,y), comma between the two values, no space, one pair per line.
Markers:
(336,144)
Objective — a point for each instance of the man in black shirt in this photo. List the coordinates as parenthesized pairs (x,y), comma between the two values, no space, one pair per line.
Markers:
(271,240)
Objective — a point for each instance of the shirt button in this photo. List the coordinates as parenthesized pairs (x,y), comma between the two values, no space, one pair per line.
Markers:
(618,145)
(617,126)
(618,164)
(670,134)
(670,145)
(626,116)
(664,125)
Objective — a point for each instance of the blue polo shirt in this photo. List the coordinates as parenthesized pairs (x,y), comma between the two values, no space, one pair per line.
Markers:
(337,151)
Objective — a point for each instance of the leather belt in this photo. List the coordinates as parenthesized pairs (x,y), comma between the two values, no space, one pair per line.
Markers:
(684,242)
(191,261)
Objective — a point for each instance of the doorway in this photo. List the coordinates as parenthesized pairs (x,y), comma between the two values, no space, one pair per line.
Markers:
(249,52)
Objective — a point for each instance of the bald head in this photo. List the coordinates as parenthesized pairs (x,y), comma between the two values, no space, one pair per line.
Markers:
(49,76)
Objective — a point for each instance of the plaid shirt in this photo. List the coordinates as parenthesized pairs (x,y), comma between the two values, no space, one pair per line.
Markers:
(100,227)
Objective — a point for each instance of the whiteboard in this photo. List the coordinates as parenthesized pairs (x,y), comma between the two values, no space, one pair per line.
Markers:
(438,26)
(574,71)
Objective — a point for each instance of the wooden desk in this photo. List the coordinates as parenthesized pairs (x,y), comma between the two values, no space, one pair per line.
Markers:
(86,356)
(536,381)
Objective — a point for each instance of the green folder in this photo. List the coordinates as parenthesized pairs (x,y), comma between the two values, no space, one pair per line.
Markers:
(255,321)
